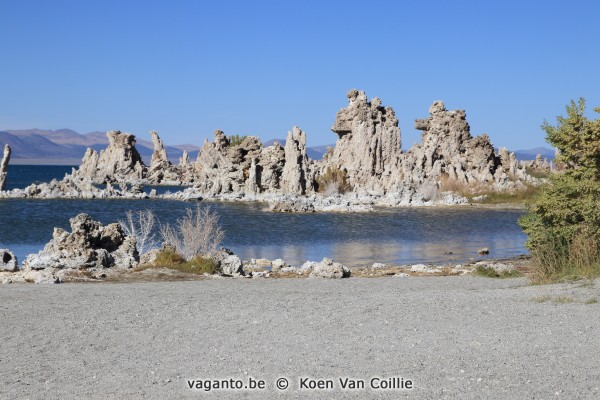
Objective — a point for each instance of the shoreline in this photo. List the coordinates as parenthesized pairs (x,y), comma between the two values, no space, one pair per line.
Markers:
(265,269)
(266,201)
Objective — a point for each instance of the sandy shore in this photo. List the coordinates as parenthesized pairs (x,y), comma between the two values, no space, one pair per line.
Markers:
(453,337)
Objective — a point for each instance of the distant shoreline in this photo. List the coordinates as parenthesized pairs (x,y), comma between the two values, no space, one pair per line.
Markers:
(63,162)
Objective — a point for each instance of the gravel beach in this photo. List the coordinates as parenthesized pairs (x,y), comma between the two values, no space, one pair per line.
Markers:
(451,337)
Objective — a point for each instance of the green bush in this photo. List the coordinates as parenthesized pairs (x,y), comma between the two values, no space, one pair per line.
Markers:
(490,272)
(236,140)
(563,220)
(168,258)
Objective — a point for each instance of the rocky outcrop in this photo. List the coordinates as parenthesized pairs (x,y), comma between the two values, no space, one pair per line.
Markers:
(229,263)
(366,163)
(251,169)
(509,161)
(88,245)
(296,177)
(368,146)
(4,166)
(271,162)
(252,185)
(159,156)
(161,170)
(539,165)
(368,159)
(72,186)
(232,265)
(450,157)
(184,160)
(223,168)
(449,151)
(8,261)
(292,204)
(338,203)
(327,268)
(89,165)
(120,161)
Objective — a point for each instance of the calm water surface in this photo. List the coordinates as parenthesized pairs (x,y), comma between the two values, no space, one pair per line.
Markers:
(21,176)
(405,235)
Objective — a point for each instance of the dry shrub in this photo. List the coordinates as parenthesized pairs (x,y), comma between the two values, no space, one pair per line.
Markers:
(557,259)
(584,255)
(516,196)
(448,184)
(196,234)
(140,225)
(469,191)
(333,181)
(537,173)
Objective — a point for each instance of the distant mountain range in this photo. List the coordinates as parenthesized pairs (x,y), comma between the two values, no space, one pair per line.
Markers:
(67,147)
(530,154)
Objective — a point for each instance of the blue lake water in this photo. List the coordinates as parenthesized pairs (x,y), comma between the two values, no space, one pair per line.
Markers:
(400,235)
(20,176)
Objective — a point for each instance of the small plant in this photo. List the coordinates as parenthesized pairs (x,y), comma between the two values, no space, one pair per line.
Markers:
(554,299)
(541,299)
(168,258)
(333,181)
(196,234)
(563,299)
(490,272)
(591,300)
(537,173)
(140,225)
(236,140)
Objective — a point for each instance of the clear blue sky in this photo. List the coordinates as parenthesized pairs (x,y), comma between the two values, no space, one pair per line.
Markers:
(185,68)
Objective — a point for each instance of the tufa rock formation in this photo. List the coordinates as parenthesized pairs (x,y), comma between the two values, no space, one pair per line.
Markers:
(368,146)
(4,167)
(367,161)
(271,161)
(327,268)
(159,157)
(88,245)
(120,161)
(449,151)
(368,153)
(296,177)
(184,160)
(161,169)
(251,169)
(8,261)
(538,165)
(223,168)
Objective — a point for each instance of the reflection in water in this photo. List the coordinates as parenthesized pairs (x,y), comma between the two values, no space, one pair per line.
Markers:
(405,235)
